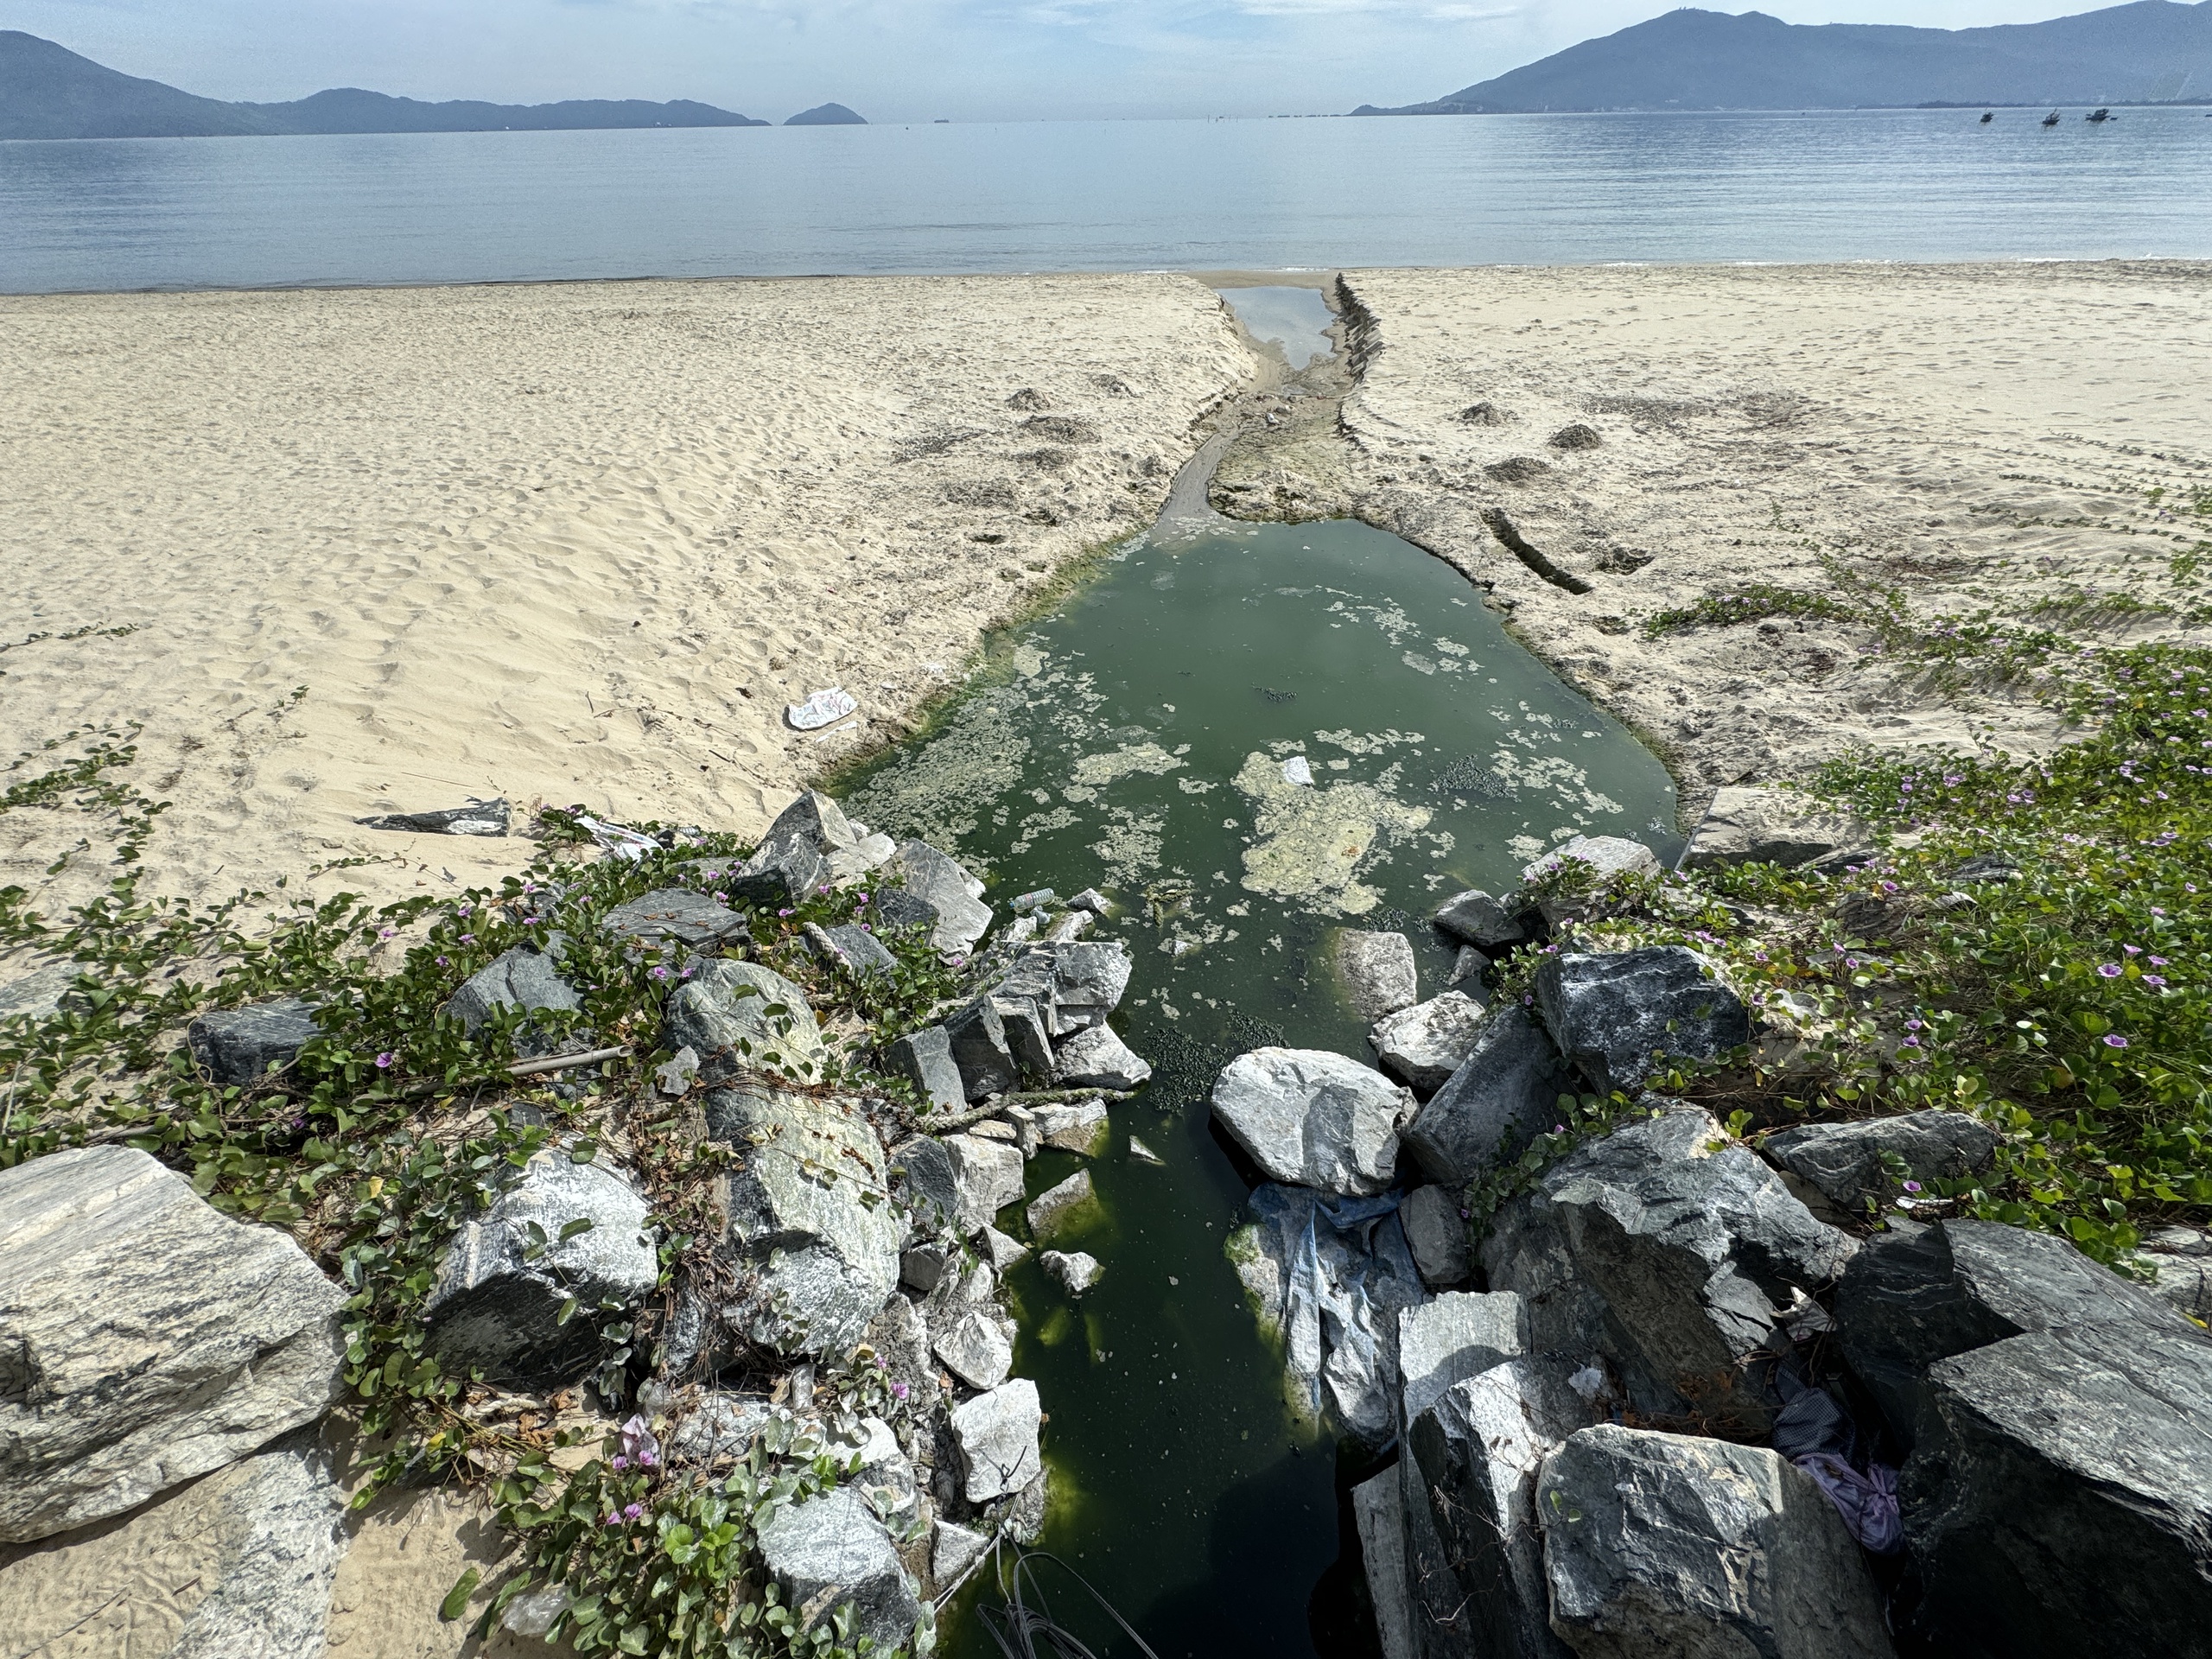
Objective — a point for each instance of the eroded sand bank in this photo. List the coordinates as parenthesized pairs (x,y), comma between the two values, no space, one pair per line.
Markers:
(2024,440)
(575,543)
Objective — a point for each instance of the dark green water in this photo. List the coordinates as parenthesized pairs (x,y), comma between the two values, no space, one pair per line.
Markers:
(1138,744)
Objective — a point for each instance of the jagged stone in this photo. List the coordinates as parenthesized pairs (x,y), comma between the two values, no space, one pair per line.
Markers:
(996,1433)
(144,1337)
(1845,1160)
(1476,917)
(44,992)
(988,1176)
(1096,1059)
(506,1276)
(717,1427)
(1757,826)
(809,1211)
(978,1349)
(855,949)
(955,1549)
(1378,971)
(1027,1037)
(1613,1015)
(782,872)
(1064,1206)
(521,978)
(1604,854)
(829,1550)
(1376,1511)
(1662,1543)
(1081,1128)
(1452,1338)
(852,866)
(1143,1154)
(1090,979)
(1438,1237)
(1506,1090)
(1073,1271)
(1424,1044)
(901,1342)
(922,1266)
(238,1046)
(1470,964)
(928,1182)
(2182,1258)
(925,1058)
(740,1017)
(978,1040)
(818,819)
(1000,1251)
(1313,1118)
(959,918)
(677,916)
(1670,1251)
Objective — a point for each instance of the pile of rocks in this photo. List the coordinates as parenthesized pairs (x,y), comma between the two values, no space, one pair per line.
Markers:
(1695,1406)
(146,1340)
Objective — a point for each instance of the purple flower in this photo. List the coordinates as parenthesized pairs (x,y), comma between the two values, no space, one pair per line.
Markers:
(783,913)
(2110,969)
(1912,1186)
(632,1511)
(637,1439)
(1559,1129)
(2132,950)
(2160,962)
(1912,1042)
(2154,979)
(444,963)
(619,1463)
(859,901)
(659,972)
(2115,1042)
(463,909)
(387,932)
(898,1391)
(385,1060)
(612,1521)
(469,938)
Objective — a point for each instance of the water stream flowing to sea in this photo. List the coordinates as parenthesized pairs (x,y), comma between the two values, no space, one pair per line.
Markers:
(1153,738)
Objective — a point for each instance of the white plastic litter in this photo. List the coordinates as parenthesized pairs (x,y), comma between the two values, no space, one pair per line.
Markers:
(1296,770)
(820,709)
(623,843)
(1589,1383)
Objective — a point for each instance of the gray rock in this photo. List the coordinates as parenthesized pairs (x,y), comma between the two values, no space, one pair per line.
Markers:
(1469,965)
(279,1525)
(2184,1284)
(1096,1059)
(1612,1015)
(42,993)
(925,1058)
(807,1211)
(968,1285)
(817,819)
(1437,1237)
(988,1176)
(1069,927)
(1475,918)
(858,951)
(955,896)
(1027,1036)
(996,1433)
(717,1427)
(1757,825)
(2059,1500)
(1024,1520)
(1382,1522)
(1670,1251)
(1090,979)
(1661,1543)
(532,1613)
(1081,1129)
(955,1549)
(676,1077)
(144,1337)
(1915,1295)
(831,1550)
(1378,971)
(901,1341)
(238,1046)
(978,1348)
(1457,1335)
(525,979)
(1073,1271)
(1424,1044)
(929,1186)
(784,871)
(1604,855)
(851,865)
(1313,1118)
(1472,1459)
(478,818)
(980,1050)
(1000,1251)
(741,1018)
(677,916)
(1506,1090)
(1844,1161)
(1092,900)
(1143,1154)
(922,1266)
(1067,1204)
(505,1276)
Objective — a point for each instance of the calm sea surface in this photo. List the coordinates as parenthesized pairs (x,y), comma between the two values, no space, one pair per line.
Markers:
(128,213)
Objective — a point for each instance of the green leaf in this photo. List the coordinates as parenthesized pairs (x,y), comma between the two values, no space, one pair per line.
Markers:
(570,1229)
(582,1153)
(456,1601)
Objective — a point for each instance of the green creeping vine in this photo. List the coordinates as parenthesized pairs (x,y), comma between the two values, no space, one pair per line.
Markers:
(394,1128)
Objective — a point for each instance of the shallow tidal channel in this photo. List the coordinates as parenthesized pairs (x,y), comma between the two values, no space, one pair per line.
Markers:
(1153,738)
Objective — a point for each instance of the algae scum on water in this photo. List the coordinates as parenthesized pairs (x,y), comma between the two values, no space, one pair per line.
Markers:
(1247,740)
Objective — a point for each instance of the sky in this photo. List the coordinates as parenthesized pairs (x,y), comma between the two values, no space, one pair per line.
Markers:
(890,60)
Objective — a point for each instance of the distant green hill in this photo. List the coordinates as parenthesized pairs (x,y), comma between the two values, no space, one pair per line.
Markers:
(2152,51)
(827,115)
(48,91)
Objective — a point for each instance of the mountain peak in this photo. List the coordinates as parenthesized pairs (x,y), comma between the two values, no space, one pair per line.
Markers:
(827,115)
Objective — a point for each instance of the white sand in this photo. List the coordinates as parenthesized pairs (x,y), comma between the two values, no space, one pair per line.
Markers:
(1974,436)
(576,543)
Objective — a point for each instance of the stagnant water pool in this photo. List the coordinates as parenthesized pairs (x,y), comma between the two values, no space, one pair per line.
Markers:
(1144,739)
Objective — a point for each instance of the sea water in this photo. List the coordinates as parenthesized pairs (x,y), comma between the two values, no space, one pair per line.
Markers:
(1145,739)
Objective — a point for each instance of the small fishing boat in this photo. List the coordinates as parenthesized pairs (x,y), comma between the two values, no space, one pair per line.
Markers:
(2098,115)
(1988,116)
(2051,120)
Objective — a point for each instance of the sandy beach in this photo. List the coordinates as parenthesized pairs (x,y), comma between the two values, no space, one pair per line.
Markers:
(345,552)
(2028,441)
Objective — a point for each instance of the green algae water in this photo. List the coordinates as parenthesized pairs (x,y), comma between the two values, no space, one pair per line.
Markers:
(1246,737)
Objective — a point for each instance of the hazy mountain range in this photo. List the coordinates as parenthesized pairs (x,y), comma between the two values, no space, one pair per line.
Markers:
(2153,51)
(48,91)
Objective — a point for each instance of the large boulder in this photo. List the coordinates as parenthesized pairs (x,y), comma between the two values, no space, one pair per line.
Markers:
(1472,1461)
(831,1550)
(144,1337)
(564,1232)
(1457,1335)
(1436,1232)
(796,858)
(1098,1059)
(1089,979)
(740,1017)
(1475,918)
(1424,1044)
(1378,971)
(978,1348)
(1081,1128)
(957,916)
(237,1046)
(1378,1513)
(1505,1091)
(809,1212)
(987,1177)
(675,918)
(1670,1251)
(1615,1015)
(1666,1544)
(1600,856)
(1757,825)
(1847,1162)
(522,978)
(925,1058)
(1067,1203)
(1313,1118)
(996,1434)
(976,1037)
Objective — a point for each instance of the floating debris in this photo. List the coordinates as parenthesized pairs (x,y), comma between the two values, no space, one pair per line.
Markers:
(821,708)
(1297,770)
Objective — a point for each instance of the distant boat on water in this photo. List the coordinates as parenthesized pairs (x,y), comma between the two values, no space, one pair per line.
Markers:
(2098,115)
(1988,116)
(2051,120)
